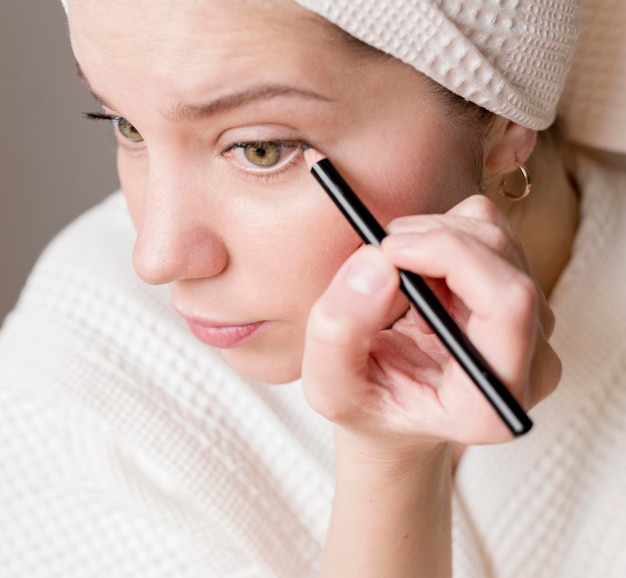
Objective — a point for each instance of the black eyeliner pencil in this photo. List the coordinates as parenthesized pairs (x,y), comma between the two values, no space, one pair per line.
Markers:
(422,297)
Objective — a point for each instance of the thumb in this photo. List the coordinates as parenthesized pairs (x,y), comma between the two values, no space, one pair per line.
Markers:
(342,324)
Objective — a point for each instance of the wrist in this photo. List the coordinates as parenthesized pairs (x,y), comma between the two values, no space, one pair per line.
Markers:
(391,511)
(390,455)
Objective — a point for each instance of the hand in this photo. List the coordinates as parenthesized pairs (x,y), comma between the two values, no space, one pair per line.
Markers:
(374,367)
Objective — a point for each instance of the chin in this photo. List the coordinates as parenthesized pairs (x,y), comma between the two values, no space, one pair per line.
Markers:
(273,370)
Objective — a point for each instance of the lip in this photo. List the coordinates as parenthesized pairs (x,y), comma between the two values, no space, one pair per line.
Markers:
(222,335)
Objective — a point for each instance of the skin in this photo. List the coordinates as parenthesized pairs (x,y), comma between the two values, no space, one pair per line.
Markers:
(205,227)
(237,245)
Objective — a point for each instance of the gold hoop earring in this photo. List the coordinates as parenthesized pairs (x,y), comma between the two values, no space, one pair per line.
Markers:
(528,185)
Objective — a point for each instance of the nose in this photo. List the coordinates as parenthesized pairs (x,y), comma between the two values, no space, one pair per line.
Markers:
(175,240)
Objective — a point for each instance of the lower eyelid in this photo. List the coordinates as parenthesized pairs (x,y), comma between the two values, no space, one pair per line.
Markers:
(128,145)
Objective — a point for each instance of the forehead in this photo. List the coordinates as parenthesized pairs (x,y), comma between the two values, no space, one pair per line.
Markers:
(181,44)
(177,25)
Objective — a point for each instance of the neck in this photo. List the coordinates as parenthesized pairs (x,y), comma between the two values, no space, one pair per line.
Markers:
(547,219)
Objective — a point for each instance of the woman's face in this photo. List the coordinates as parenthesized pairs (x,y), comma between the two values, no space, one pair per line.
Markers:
(215,98)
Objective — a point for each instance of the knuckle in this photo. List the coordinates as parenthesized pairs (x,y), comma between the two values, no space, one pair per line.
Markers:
(522,297)
(550,376)
(549,321)
(499,240)
(483,208)
(327,328)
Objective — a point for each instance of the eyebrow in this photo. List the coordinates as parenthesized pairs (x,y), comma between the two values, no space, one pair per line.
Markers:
(222,104)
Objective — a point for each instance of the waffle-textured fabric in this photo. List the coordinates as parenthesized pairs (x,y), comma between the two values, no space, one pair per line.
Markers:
(129,450)
(509,56)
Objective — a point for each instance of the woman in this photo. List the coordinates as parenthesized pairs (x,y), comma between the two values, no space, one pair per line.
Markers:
(160,460)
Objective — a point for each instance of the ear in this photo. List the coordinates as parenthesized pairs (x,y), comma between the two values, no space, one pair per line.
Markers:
(513,144)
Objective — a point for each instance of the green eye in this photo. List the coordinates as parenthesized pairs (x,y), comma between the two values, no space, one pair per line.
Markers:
(263,154)
(263,157)
(127,130)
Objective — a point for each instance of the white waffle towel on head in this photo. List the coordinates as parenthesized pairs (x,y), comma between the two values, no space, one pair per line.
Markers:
(509,56)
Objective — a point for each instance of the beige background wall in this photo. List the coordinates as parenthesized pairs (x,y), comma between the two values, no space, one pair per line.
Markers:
(53,163)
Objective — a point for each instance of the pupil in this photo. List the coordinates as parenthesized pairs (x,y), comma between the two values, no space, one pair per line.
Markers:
(262,154)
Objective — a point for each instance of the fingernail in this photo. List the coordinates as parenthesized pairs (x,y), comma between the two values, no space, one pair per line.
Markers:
(366,275)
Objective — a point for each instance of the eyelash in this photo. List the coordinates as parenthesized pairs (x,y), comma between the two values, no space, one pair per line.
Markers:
(101,116)
(115,120)
(257,173)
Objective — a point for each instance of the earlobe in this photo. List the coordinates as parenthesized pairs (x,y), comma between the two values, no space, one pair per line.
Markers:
(512,147)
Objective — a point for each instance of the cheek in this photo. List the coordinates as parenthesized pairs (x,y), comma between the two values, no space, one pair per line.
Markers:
(288,267)
(296,255)
(323,245)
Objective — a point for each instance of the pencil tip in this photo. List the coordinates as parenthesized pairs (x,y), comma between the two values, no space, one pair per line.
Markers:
(311,156)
